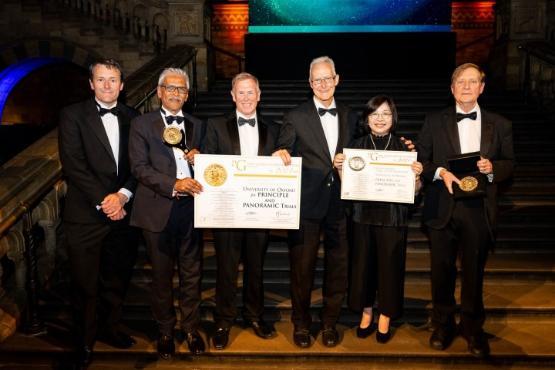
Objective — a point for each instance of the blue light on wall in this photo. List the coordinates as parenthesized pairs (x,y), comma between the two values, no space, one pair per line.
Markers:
(13,74)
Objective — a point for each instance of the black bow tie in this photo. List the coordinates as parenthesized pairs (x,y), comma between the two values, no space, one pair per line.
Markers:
(171,119)
(241,121)
(103,111)
(332,111)
(471,115)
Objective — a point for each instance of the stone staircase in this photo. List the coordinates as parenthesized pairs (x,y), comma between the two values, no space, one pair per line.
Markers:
(21,19)
(519,288)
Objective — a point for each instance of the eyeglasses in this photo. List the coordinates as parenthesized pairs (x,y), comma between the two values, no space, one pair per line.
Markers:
(172,89)
(320,81)
(385,115)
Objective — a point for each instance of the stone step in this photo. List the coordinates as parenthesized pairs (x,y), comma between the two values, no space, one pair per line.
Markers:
(511,339)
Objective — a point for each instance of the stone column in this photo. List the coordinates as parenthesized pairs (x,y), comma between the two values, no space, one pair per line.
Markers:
(186,27)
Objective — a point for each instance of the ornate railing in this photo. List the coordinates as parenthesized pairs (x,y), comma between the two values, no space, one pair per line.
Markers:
(127,18)
(31,189)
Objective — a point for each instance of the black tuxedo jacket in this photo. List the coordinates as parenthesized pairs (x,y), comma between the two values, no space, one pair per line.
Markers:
(153,164)
(303,136)
(88,162)
(222,136)
(439,140)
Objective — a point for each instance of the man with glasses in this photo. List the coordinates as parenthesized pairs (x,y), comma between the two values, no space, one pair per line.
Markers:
(316,130)
(162,146)
(465,224)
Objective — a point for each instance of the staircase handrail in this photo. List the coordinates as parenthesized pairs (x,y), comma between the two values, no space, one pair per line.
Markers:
(476,41)
(141,85)
(240,59)
(542,50)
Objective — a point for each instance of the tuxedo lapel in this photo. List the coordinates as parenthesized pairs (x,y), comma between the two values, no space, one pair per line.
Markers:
(450,124)
(123,126)
(95,123)
(315,126)
(233,134)
(158,128)
(189,130)
(343,129)
(262,136)
(486,137)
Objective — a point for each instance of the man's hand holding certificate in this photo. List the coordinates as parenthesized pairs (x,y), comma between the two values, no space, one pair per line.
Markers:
(247,192)
(378,175)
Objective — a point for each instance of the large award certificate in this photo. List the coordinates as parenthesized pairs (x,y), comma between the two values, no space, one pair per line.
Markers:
(378,175)
(247,192)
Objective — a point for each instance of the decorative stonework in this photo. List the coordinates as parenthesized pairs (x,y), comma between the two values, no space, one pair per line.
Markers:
(186,22)
(528,19)
(479,14)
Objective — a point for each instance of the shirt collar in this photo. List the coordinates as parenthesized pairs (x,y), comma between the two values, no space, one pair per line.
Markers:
(318,104)
(476,109)
(103,105)
(239,114)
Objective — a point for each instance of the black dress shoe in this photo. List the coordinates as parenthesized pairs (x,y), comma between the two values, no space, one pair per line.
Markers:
(442,337)
(383,337)
(117,339)
(330,336)
(261,329)
(165,347)
(221,338)
(366,332)
(83,357)
(195,342)
(301,338)
(478,345)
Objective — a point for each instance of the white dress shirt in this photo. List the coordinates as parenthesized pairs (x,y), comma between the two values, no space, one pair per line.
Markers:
(330,125)
(248,136)
(470,135)
(111,126)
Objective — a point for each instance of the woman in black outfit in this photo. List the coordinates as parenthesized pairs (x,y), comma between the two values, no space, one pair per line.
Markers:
(379,231)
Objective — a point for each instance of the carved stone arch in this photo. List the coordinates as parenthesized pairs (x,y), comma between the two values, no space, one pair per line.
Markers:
(161,20)
(140,11)
(60,48)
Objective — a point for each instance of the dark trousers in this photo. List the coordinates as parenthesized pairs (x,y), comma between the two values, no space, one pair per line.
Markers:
(179,241)
(101,257)
(467,232)
(378,265)
(303,250)
(230,246)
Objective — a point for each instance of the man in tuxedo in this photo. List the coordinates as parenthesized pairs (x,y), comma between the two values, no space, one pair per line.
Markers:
(316,130)
(242,132)
(163,208)
(102,247)
(463,224)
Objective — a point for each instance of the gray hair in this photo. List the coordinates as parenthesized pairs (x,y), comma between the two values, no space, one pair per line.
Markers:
(322,59)
(173,71)
(244,76)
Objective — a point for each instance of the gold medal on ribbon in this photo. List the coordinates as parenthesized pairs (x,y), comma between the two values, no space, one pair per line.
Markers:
(172,135)
(468,183)
(215,175)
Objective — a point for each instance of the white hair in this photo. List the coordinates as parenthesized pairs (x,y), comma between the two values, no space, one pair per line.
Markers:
(322,59)
(173,71)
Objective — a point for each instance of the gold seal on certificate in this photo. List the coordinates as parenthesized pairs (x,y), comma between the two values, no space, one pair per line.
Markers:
(215,175)
(468,183)
(356,163)
(172,135)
